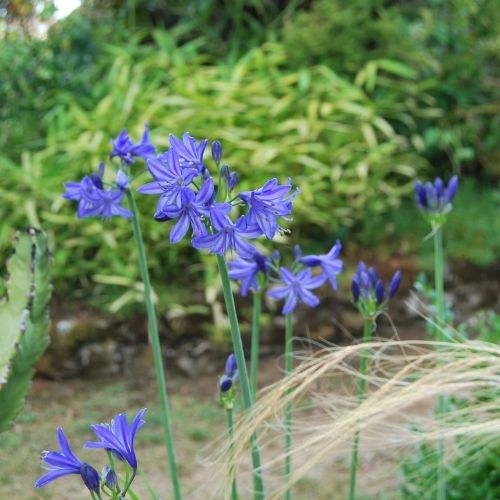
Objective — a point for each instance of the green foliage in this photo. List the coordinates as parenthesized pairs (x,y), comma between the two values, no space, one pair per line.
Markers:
(451,47)
(475,473)
(323,131)
(27,321)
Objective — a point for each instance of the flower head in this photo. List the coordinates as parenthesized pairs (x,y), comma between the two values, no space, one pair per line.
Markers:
(227,383)
(247,271)
(127,151)
(330,264)
(95,201)
(295,288)
(64,463)
(268,203)
(119,436)
(369,292)
(434,199)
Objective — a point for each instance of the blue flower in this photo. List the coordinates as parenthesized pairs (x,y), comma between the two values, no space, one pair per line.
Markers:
(189,212)
(229,236)
(85,193)
(329,263)
(109,477)
(216,152)
(64,463)
(122,180)
(436,198)
(190,154)
(108,205)
(296,288)
(94,201)
(127,151)
(230,178)
(247,270)
(170,179)
(231,374)
(368,290)
(119,436)
(268,203)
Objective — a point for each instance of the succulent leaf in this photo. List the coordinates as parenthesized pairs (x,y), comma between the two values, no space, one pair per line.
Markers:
(25,321)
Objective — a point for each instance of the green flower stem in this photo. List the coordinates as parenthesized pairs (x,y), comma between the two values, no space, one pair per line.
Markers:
(155,345)
(440,336)
(369,327)
(258,484)
(128,484)
(254,356)
(288,408)
(439,284)
(230,430)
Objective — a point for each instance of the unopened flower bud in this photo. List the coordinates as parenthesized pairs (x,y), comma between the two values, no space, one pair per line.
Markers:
(90,477)
(217,152)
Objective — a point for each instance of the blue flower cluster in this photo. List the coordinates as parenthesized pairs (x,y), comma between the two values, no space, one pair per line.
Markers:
(117,438)
(94,199)
(369,292)
(293,284)
(189,197)
(434,199)
(230,376)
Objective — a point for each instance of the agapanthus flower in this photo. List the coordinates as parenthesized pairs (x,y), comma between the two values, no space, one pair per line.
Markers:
(64,463)
(109,205)
(189,212)
(267,204)
(330,264)
(230,374)
(122,180)
(85,193)
(190,154)
(216,152)
(295,288)
(119,436)
(247,271)
(171,180)
(368,290)
(109,477)
(435,198)
(230,177)
(229,236)
(96,201)
(127,151)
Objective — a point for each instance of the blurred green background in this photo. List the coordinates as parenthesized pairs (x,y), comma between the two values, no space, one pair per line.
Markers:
(352,99)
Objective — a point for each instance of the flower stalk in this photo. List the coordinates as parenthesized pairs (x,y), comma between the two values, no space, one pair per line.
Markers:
(246,391)
(155,345)
(442,337)
(369,327)
(254,355)
(230,431)
(288,408)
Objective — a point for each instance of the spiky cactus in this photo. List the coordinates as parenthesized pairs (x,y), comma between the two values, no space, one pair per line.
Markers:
(24,321)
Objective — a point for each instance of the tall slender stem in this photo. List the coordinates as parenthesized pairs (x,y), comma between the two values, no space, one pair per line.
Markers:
(230,430)
(254,356)
(369,326)
(440,336)
(288,408)
(156,347)
(439,283)
(258,484)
